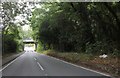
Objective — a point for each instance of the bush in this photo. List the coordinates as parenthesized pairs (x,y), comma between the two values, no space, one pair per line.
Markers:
(101,47)
(10,45)
(39,47)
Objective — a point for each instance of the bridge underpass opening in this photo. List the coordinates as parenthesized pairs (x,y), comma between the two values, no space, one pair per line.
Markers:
(30,45)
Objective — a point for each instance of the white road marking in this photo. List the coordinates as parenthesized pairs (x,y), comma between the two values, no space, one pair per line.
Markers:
(79,66)
(40,66)
(35,59)
(10,63)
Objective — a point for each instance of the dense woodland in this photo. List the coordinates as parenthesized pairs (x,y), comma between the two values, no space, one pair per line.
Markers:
(12,33)
(80,33)
(65,26)
(78,27)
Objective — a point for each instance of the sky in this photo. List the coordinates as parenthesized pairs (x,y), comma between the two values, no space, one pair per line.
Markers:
(25,27)
(22,17)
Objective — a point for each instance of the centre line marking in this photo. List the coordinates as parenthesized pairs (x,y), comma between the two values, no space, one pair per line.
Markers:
(40,66)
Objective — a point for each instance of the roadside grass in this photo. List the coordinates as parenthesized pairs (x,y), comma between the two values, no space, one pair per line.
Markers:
(5,55)
(109,65)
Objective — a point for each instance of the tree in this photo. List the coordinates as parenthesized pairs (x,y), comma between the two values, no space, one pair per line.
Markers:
(77,26)
(11,30)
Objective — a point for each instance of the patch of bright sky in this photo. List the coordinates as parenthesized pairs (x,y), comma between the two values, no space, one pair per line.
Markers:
(25,27)
(23,17)
(19,18)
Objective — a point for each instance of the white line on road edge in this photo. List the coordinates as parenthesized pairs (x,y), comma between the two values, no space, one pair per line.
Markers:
(10,63)
(35,59)
(79,66)
(40,66)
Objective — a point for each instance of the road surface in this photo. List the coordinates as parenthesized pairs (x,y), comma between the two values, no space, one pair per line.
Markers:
(35,64)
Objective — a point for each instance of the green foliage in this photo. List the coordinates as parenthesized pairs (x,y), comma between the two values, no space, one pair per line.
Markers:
(11,41)
(10,45)
(81,27)
(71,57)
(39,47)
(100,47)
(11,37)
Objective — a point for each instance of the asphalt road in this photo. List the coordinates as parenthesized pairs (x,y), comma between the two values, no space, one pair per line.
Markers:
(34,64)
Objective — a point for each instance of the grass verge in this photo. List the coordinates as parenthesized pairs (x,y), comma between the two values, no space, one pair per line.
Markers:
(110,65)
